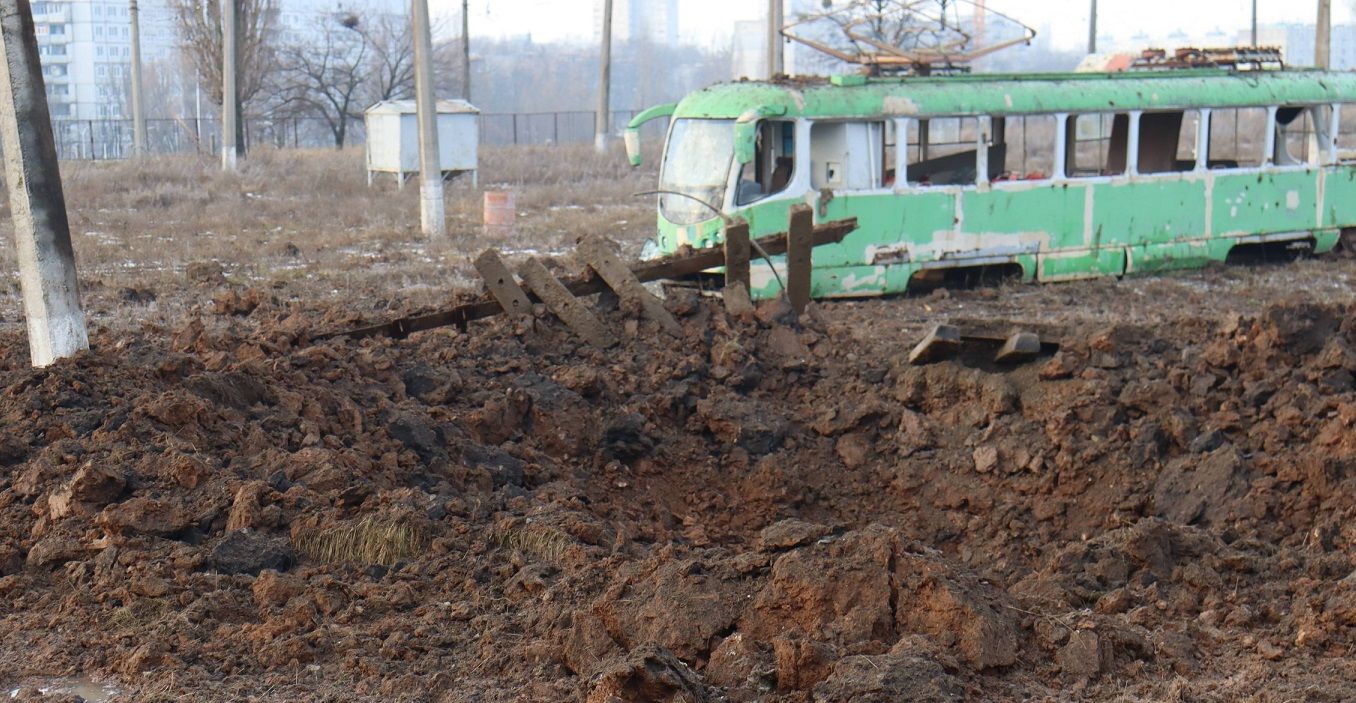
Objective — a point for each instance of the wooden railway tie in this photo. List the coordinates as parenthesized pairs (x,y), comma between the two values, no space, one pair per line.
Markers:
(737,253)
(564,305)
(800,246)
(1021,346)
(947,341)
(505,295)
(601,258)
(738,277)
(941,342)
(499,282)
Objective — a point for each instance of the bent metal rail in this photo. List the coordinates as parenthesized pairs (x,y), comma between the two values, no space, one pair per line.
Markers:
(504,294)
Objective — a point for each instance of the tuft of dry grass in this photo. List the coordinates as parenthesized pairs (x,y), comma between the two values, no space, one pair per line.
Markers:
(138,614)
(374,539)
(545,543)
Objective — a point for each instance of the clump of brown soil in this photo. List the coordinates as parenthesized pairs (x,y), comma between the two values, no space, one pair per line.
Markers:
(756,511)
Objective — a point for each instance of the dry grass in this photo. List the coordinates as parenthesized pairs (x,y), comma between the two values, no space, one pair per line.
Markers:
(374,539)
(158,214)
(306,224)
(545,543)
(138,614)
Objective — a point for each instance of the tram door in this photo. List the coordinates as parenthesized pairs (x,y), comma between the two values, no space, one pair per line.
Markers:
(852,174)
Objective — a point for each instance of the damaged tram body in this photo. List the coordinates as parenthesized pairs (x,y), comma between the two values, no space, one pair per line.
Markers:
(1046,177)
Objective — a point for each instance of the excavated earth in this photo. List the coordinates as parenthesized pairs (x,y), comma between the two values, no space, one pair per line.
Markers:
(765,509)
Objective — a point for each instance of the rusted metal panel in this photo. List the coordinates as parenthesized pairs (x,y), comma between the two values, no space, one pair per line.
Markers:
(500,284)
(737,254)
(603,259)
(564,305)
(798,257)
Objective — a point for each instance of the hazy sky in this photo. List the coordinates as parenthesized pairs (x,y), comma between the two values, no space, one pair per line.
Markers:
(710,22)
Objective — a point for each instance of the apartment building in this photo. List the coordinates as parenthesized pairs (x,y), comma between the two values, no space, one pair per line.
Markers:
(85,48)
(86,52)
(655,21)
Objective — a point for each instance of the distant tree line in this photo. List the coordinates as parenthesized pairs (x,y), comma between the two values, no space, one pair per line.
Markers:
(334,71)
(519,75)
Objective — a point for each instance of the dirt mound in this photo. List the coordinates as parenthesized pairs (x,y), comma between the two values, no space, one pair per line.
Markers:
(757,511)
(790,613)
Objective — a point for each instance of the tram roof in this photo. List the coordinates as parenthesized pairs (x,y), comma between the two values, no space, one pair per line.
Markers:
(1000,94)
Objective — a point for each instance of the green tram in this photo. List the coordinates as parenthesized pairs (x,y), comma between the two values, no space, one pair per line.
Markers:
(1050,177)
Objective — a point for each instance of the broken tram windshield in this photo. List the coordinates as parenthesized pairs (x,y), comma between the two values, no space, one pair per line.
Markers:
(696,164)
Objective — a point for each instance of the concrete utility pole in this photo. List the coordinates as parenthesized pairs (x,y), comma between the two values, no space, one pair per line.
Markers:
(42,235)
(1254,24)
(602,120)
(431,209)
(981,21)
(230,99)
(775,63)
(1323,36)
(466,50)
(1092,29)
(138,108)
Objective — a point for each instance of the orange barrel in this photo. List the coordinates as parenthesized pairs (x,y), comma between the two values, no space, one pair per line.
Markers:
(499,213)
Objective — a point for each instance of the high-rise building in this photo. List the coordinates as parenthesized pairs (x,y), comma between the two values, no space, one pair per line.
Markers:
(85,48)
(655,21)
(85,45)
(749,48)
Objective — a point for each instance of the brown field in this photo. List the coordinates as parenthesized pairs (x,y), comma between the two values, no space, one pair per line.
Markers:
(211,506)
(308,223)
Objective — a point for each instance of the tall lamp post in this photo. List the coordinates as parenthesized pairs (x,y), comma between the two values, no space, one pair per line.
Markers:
(138,108)
(37,204)
(603,119)
(1323,36)
(1092,29)
(432,212)
(230,99)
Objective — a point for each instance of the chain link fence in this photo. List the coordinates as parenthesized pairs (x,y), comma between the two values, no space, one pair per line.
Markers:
(112,138)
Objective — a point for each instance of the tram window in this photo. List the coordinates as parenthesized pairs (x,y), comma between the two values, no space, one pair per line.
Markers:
(1294,131)
(852,155)
(1346,135)
(1238,137)
(1097,145)
(1167,141)
(773,164)
(943,151)
(1030,152)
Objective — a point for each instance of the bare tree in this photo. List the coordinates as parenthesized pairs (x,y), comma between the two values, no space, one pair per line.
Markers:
(447,61)
(113,88)
(390,70)
(199,26)
(325,76)
(551,77)
(338,69)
